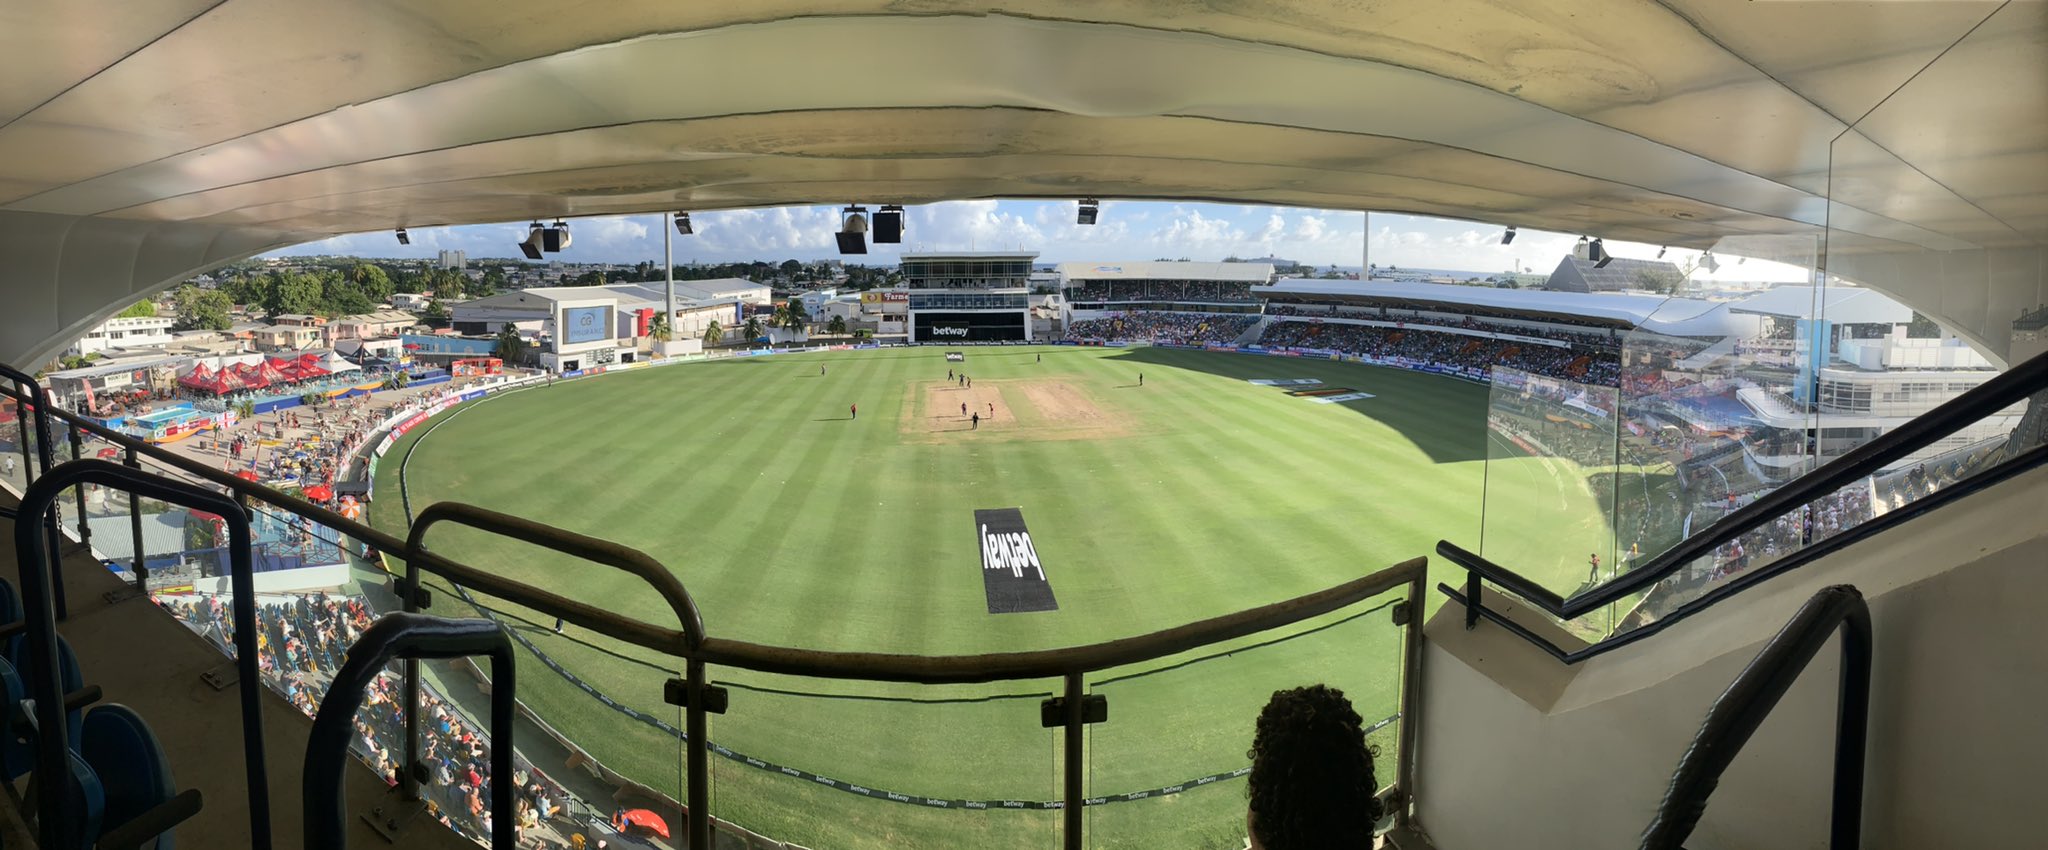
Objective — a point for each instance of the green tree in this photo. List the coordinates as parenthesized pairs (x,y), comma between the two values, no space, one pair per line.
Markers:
(292,292)
(144,309)
(837,326)
(201,309)
(1922,328)
(658,329)
(790,268)
(494,280)
(590,278)
(345,299)
(434,312)
(753,328)
(510,347)
(713,332)
(1659,279)
(372,282)
(793,316)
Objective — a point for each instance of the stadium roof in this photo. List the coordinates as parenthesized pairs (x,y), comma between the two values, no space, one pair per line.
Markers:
(141,143)
(1161,270)
(1674,316)
(688,292)
(1838,304)
(1578,274)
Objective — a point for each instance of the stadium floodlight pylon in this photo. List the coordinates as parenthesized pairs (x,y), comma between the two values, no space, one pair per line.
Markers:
(531,246)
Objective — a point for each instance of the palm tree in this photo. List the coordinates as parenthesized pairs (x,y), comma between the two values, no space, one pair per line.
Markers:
(713,332)
(658,329)
(753,328)
(837,326)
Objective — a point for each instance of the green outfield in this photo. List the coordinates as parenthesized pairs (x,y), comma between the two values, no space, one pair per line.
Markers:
(793,523)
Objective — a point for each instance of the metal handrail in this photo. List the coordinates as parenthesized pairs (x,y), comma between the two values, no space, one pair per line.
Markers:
(2022,462)
(1751,697)
(599,551)
(411,637)
(37,399)
(37,570)
(1069,663)
(2017,384)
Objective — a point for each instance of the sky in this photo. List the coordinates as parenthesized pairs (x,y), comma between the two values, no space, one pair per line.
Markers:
(1125,231)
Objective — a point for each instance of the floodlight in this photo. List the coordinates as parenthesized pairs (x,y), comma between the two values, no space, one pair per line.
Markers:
(531,246)
(1086,212)
(402,238)
(888,224)
(1508,237)
(1597,252)
(683,224)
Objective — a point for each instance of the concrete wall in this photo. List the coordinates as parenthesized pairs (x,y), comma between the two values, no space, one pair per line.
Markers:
(1520,751)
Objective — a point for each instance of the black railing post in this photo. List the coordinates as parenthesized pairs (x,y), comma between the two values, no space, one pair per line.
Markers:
(1072,795)
(137,564)
(1473,582)
(1852,727)
(1741,709)
(1411,696)
(697,752)
(38,571)
(412,636)
(84,527)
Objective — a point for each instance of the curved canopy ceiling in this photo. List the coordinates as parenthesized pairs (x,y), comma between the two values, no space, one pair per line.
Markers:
(1676,122)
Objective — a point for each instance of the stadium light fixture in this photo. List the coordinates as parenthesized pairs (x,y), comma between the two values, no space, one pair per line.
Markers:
(853,230)
(1597,252)
(888,225)
(1708,262)
(402,238)
(555,238)
(1087,211)
(683,224)
(1508,238)
(531,246)
(1661,249)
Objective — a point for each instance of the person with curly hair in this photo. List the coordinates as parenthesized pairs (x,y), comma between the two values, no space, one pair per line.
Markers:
(1312,785)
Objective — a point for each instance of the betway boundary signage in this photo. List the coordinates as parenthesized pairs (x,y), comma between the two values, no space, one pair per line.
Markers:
(1011,573)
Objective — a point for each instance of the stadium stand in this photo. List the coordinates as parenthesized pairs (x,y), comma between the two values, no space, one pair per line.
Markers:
(1601,367)
(302,644)
(1162,327)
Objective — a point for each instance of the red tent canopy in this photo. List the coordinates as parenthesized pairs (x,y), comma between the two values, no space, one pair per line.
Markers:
(319,492)
(248,475)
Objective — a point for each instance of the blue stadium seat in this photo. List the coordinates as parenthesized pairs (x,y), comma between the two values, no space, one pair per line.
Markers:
(130,766)
(17,757)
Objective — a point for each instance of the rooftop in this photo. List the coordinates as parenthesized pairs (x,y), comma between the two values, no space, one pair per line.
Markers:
(1156,270)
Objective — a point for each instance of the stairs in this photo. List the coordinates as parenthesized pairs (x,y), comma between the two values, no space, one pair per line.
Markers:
(1251,335)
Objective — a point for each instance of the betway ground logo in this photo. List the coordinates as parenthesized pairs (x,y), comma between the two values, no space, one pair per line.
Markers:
(943,330)
(1011,572)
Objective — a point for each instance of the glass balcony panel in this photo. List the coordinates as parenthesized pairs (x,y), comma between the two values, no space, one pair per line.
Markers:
(1168,768)
(850,765)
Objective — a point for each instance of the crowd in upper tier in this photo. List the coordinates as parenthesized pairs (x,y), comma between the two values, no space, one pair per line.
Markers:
(1160,327)
(1598,366)
(1194,290)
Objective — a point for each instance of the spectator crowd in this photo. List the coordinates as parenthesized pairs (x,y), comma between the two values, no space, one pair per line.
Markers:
(1214,292)
(1598,366)
(1161,327)
(301,643)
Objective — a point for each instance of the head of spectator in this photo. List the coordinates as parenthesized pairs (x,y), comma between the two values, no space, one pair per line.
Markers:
(1312,785)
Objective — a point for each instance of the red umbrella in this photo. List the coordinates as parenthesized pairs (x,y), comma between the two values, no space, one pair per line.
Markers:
(645,820)
(319,492)
(248,475)
(109,452)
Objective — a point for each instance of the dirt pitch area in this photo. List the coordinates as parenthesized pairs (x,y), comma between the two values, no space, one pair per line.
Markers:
(1010,410)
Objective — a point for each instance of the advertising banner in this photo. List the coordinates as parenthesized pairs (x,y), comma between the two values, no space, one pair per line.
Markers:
(1010,570)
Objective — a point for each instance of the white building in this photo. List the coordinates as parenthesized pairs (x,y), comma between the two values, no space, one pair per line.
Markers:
(454,259)
(584,326)
(133,332)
